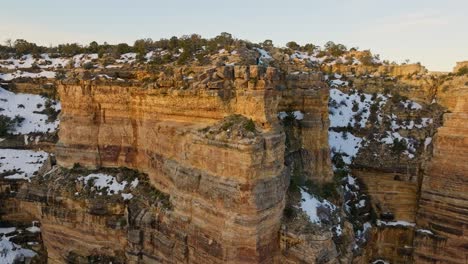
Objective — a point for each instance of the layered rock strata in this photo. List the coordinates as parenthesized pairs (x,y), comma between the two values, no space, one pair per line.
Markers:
(443,205)
(228,195)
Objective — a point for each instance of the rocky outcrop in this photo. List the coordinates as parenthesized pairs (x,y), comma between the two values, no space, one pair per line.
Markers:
(227,185)
(378,70)
(443,205)
(460,65)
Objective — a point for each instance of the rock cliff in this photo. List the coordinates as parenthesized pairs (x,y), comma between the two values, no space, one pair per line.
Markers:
(443,205)
(193,156)
(227,185)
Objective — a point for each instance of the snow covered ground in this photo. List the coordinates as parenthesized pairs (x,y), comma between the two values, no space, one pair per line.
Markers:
(391,136)
(344,142)
(353,109)
(19,74)
(344,107)
(108,184)
(395,223)
(12,253)
(310,204)
(425,231)
(411,124)
(27,106)
(45,64)
(22,164)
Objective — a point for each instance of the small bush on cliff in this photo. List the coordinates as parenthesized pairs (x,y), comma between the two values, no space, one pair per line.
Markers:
(293,45)
(8,124)
(51,113)
(249,125)
(335,50)
(462,71)
(355,106)
(338,160)
(326,190)
(290,119)
(397,98)
(233,127)
(5,125)
(88,66)
(399,146)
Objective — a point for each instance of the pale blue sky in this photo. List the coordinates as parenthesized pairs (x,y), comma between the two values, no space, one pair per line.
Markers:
(432,32)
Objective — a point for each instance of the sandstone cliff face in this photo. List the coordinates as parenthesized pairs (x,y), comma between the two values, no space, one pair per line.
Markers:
(228,195)
(443,206)
(382,70)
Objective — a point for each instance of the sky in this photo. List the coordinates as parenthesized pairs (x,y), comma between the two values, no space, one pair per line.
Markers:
(432,32)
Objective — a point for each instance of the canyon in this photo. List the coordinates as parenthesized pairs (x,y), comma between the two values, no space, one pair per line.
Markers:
(280,162)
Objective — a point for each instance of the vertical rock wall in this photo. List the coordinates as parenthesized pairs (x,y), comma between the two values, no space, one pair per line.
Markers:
(443,206)
(228,196)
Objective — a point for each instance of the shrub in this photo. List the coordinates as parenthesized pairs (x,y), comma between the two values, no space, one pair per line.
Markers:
(355,106)
(7,124)
(335,50)
(88,66)
(326,190)
(309,47)
(250,125)
(399,146)
(293,45)
(366,58)
(462,71)
(373,113)
(338,161)
(362,97)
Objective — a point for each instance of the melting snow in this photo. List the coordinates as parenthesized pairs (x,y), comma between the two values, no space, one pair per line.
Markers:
(394,223)
(349,144)
(380,261)
(7,230)
(298,115)
(341,107)
(411,105)
(310,203)
(127,196)
(25,105)
(24,163)
(264,54)
(127,58)
(388,139)
(134,183)
(109,183)
(101,181)
(427,142)
(18,74)
(12,253)
(336,83)
(411,124)
(425,231)
(34,228)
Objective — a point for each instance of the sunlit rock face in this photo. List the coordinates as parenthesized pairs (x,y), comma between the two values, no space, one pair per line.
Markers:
(227,184)
(443,206)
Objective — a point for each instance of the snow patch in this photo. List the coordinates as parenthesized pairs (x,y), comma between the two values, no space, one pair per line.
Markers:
(310,204)
(22,164)
(27,106)
(342,106)
(12,253)
(344,142)
(395,223)
(108,185)
(23,74)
